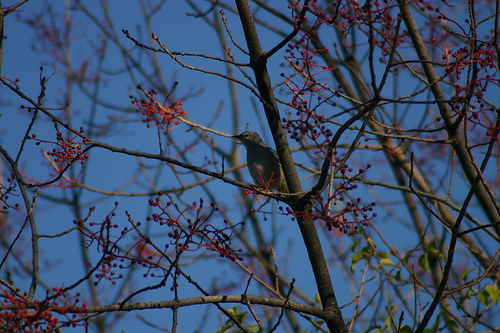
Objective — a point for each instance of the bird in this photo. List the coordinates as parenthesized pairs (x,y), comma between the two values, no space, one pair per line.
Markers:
(263,162)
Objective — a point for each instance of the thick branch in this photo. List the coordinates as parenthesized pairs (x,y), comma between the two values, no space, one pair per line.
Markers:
(258,62)
(458,144)
(179,303)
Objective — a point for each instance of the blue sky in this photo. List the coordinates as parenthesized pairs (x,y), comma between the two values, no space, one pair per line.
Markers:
(111,172)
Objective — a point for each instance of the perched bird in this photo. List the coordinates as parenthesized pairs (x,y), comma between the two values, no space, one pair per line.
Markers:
(263,162)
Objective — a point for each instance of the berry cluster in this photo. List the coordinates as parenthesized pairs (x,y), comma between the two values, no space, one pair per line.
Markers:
(164,116)
(17,314)
(350,215)
(70,150)
(192,234)
(5,190)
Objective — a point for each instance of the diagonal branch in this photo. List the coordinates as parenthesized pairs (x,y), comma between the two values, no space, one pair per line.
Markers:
(466,160)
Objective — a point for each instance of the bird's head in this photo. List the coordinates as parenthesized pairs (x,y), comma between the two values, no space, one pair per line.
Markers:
(248,138)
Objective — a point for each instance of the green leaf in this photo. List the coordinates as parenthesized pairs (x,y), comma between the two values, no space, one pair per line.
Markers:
(493,293)
(381,255)
(405,329)
(464,274)
(386,262)
(254,328)
(354,245)
(482,297)
(397,277)
(408,255)
(451,324)
(389,316)
(357,257)
(423,261)
(238,316)
(318,299)
(489,293)
(432,248)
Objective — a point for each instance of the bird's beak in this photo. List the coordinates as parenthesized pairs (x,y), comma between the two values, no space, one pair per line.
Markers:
(237,138)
